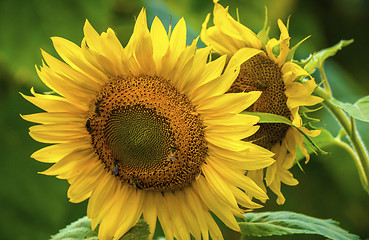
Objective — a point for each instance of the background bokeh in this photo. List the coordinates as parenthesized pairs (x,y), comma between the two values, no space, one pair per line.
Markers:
(34,206)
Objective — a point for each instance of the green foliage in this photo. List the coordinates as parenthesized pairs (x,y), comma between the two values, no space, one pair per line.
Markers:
(270,118)
(81,229)
(30,24)
(317,59)
(273,118)
(140,231)
(284,223)
(358,110)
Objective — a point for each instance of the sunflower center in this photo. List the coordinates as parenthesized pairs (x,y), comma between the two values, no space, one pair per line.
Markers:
(262,74)
(138,137)
(147,133)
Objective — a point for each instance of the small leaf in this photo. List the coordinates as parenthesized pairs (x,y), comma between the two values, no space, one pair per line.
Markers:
(264,33)
(140,231)
(285,223)
(358,110)
(292,51)
(270,118)
(273,118)
(81,229)
(317,59)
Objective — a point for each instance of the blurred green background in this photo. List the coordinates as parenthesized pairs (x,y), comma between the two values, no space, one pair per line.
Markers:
(34,206)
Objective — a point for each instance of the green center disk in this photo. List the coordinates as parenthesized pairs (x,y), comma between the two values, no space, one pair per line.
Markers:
(139,138)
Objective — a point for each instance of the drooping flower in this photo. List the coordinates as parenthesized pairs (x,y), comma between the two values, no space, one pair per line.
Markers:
(273,73)
(147,130)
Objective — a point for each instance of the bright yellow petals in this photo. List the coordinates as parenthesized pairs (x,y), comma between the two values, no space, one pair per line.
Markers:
(174,91)
(230,37)
(227,35)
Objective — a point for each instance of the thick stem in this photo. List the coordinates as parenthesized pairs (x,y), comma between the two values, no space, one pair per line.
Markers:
(361,156)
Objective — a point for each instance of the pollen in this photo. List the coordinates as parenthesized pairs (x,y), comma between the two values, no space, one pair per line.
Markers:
(262,74)
(147,133)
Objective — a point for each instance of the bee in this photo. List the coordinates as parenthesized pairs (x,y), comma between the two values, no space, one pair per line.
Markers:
(88,126)
(97,107)
(260,84)
(115,169)
(133,182)
(172,154)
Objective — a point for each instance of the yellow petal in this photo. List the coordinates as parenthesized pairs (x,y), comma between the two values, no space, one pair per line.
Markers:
(218,207)
(57,133)
(230,102)
(191,76)
(213,69)
(196,205)
(181,230)
(51,103)
(81,186)
(217,183)
(72,55)
(177,40)
(99,61)
(159,38)
(240,57)
(231,27)
(238,178)
(132,213)
(246,159)
(70,162)
(214,87)
(164,216)
(144,54)
(54,153)
(110,222)
(150,212)
(92,37)
(46,118)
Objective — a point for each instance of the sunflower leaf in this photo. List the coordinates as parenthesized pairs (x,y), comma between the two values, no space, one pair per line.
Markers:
(140,231)
(285,223)
(358,110)
(317,59)
(81,229)
(273,118)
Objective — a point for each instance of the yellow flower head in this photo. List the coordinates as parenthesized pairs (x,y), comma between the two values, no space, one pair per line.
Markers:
(147,130)
(272,73)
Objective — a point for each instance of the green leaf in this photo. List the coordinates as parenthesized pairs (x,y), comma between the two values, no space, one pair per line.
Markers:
(264,33)
(317,59)
(81,229)
(140,231)
(273,118)
(358,110)
(270,118)
(285,223)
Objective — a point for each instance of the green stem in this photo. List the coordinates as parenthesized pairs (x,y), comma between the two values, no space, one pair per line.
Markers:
(360,156)
(325,82)
(341,134)
(363,177)
(337,112)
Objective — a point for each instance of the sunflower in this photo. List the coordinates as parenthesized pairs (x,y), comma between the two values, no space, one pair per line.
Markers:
(148,131)
(273,73)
